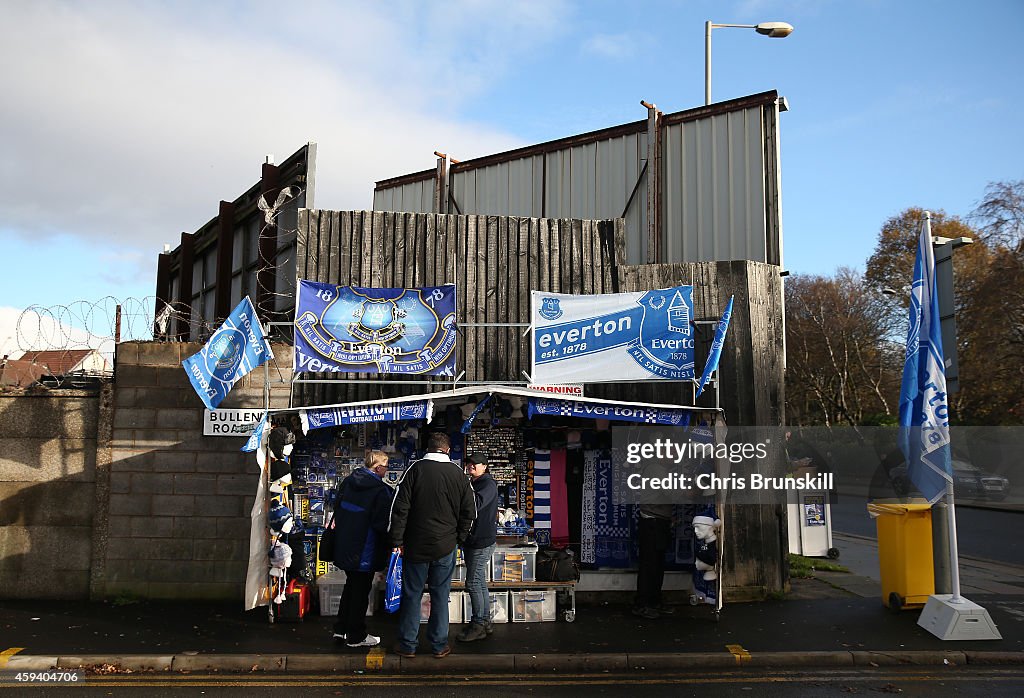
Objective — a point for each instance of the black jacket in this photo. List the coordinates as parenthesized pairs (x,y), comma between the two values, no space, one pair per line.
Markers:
(486,524)
(361,518)
(433,510)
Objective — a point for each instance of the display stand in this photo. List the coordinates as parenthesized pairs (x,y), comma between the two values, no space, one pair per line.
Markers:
(569,588)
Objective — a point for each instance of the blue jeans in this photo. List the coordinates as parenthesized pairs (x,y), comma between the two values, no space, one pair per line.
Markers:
(438,574)
(476,582)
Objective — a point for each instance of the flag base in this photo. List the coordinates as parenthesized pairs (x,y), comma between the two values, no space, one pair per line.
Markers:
(964,620)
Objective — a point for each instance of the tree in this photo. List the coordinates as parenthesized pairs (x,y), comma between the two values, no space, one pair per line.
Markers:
(840,364)
(1000,214)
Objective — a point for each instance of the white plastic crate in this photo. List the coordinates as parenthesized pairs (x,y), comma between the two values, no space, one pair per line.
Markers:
(499,607)
(454,607)
(533,605)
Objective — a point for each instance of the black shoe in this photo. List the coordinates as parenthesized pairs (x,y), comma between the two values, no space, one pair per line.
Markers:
(664,610)
(474,632)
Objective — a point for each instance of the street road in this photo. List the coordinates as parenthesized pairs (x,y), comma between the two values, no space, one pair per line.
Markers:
(913,681)
(981,533)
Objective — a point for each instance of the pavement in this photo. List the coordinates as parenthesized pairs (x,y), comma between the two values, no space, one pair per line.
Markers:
(835,619)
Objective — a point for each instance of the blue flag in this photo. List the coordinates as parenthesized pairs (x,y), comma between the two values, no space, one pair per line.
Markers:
(716,348)
(236,348)
(256,437)
(924,411)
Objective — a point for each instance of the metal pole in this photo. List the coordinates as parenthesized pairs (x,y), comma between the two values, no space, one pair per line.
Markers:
(940,547)
(707,62)
(954,557)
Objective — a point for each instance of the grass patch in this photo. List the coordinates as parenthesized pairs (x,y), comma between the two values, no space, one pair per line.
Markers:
(801,567)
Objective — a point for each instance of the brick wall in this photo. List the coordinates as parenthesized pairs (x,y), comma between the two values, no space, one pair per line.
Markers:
(47,492)
(177,502)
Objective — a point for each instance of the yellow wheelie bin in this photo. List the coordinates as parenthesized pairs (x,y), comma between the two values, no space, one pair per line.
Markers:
(904,553)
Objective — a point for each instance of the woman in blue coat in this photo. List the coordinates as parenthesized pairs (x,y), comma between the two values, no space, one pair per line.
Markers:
(361,512)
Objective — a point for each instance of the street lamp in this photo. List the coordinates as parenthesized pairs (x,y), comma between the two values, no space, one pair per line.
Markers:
(775,30)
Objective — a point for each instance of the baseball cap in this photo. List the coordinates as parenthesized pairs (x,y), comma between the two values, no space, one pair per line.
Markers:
(476,459)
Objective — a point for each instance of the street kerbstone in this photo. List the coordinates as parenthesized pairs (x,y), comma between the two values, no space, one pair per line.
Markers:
(918,657)
(664,661)
(994,657)
(127,662)
(298,663)
(21,662)
(570,662)
(800,659)
(228,662)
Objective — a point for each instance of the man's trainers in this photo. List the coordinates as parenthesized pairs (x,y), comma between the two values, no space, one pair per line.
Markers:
(489,627)
(664,610)
(475,631)
(646,612)
(339,636)
(368,641)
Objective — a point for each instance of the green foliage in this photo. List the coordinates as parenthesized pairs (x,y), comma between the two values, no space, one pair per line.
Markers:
(801,567)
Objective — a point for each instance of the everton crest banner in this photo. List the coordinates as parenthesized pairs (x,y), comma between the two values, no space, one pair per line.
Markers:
(375,330)
(645,335)
(321,418)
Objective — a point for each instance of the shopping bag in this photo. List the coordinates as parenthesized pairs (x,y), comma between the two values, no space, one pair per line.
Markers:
(393,589)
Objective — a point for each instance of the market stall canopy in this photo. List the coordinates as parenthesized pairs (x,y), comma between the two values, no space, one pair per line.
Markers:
(541,402)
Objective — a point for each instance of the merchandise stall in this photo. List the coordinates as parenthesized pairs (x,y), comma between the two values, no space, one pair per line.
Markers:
(550,455)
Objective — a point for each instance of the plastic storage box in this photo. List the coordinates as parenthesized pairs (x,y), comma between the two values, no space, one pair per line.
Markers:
(514,563)
(499,607)
(533,605)
(454,607)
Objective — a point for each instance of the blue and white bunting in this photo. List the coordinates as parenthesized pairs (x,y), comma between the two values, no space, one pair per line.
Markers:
(234,350)
(711,365)
(924,411)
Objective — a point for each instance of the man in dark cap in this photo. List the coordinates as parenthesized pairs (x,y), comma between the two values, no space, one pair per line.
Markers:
(477,548)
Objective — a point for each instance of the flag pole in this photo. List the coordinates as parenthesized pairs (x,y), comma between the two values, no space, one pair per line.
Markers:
(954,555)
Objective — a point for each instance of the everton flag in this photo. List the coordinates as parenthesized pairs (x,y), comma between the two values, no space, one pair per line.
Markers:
(716,348)
(236,348)
(259,432)
(924,412)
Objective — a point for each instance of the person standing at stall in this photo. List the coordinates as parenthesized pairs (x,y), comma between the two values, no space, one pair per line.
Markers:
(433,512)
(361,511)
(477,548)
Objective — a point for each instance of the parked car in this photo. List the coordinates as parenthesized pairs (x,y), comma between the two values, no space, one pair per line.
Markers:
(969,482)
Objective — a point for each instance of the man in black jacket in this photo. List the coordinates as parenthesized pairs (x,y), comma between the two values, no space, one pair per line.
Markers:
(478,547)
(360,518)
(433,511)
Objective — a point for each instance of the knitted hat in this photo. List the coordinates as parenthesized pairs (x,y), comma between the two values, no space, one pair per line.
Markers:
(281,437)
(280,517)
(706,520)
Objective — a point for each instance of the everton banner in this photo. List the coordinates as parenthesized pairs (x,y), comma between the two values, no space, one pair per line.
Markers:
(236,348)
(614,411)
(375,330)
(386,412)
(646,335)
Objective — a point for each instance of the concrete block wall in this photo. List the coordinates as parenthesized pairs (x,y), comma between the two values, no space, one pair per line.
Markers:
(178,502)
(48,448)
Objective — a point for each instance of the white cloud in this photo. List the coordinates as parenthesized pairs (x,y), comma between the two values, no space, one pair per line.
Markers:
(28,330)
(610,45)
(128,122)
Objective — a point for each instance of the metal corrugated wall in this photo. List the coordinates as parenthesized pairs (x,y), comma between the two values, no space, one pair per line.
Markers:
(718,170)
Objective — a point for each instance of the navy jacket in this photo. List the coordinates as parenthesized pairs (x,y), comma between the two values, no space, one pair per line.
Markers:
(361,518)
(486,524)
(433,509)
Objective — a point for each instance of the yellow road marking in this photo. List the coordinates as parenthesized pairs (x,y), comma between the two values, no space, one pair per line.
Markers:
(375,659)
(6,655)
(737,651)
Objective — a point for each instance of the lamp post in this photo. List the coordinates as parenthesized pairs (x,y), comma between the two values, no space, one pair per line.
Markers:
(774,30)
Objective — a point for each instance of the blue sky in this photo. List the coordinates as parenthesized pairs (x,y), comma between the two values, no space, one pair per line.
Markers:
(125,123)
